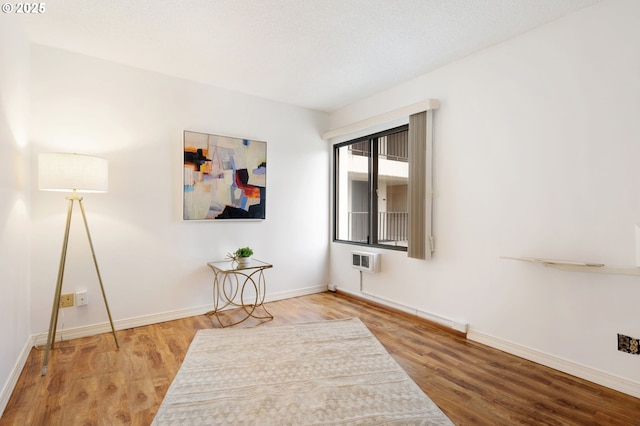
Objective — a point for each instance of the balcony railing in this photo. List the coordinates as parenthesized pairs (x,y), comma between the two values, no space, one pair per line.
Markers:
(393,227)
(392,147)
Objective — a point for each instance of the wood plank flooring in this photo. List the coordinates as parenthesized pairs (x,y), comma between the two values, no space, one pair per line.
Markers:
(90,382)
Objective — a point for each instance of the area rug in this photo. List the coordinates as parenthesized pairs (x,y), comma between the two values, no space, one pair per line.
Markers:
(322,373)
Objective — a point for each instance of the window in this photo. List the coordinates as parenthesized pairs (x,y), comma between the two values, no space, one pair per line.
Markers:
(371,189)
(376,165)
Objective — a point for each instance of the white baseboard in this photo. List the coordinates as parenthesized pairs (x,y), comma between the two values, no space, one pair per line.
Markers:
(438,319)
(124,324)
(295,293)
(587,373)
(456,325)
(10,384)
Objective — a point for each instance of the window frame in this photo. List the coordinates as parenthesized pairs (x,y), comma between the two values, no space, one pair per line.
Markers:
(372,188)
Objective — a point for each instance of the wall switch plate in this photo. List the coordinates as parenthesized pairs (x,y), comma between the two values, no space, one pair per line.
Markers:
(66,300)
(82,298)
(628,344)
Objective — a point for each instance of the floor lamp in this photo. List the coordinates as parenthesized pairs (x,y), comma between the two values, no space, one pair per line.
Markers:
(72,173)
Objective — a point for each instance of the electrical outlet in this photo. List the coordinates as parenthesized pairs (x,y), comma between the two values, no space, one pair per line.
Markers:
(66,300)
(628,344)
(81,298)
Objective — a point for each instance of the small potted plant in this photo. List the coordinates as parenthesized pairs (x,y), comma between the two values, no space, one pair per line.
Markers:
(242,255)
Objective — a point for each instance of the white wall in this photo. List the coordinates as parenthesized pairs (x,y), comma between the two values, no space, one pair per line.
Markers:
(150,261)
(14,202)
(536,153)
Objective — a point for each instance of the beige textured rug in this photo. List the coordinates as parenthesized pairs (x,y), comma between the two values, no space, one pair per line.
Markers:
(323,373)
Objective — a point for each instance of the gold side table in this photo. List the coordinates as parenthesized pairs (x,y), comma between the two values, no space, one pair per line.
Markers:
(239,285)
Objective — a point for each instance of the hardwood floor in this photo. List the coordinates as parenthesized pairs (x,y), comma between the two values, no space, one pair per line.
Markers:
(90,382)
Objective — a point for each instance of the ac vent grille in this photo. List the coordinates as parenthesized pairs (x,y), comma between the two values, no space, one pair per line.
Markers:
(365,261)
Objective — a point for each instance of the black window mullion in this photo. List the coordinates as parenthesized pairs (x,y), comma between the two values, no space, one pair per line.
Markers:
(373,196)
(336,161)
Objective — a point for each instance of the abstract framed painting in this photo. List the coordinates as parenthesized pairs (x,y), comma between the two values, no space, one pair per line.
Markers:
(224,177)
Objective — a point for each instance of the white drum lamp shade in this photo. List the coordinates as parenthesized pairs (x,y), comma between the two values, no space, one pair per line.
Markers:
(72,172)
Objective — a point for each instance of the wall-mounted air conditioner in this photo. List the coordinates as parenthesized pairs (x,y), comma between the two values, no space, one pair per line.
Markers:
(365,261)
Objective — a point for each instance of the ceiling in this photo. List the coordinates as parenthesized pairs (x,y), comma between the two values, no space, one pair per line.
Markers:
(318,54)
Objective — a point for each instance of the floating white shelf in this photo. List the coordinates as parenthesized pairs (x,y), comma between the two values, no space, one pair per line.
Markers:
(569,265)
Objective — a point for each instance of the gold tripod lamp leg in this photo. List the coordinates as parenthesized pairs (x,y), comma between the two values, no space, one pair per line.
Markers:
(95,262)
(56,299)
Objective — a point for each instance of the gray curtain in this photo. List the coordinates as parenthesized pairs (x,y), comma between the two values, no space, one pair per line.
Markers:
(420,191)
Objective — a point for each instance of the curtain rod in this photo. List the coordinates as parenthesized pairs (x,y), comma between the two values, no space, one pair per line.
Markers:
(425,105)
